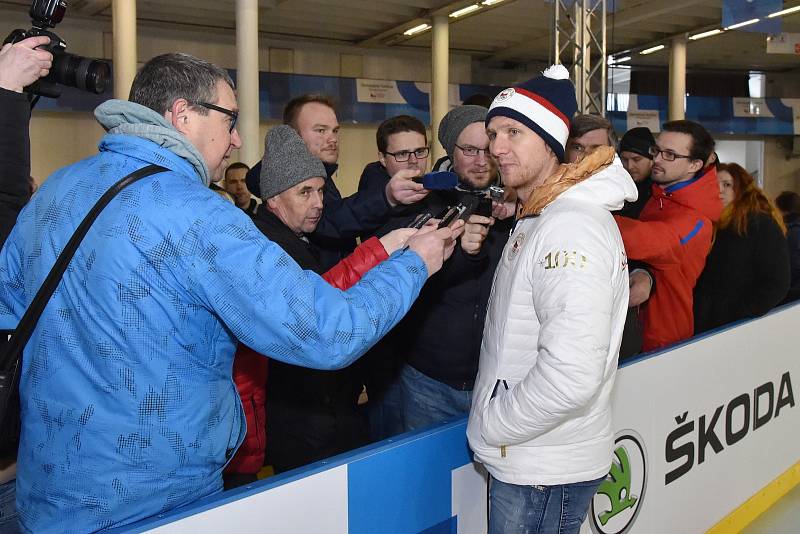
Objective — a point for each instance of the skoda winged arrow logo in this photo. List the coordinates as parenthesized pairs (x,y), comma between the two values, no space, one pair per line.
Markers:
(619,498)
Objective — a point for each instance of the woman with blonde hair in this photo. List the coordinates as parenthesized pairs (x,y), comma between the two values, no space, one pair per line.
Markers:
(747,271)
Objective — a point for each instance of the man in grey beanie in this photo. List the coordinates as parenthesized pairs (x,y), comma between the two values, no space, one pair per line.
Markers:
(441,363)
(312,414)
(292,180)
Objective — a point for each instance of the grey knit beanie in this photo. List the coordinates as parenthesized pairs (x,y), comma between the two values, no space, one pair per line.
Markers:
(454,123)
(287,162)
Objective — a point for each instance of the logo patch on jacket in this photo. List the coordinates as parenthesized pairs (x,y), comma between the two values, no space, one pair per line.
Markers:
(516,246)
(563,259)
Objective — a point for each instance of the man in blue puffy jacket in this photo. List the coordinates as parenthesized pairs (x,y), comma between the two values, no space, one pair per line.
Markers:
(128,406)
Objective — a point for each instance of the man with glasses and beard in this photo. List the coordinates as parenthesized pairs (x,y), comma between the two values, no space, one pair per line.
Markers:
(674,231)
(440,339)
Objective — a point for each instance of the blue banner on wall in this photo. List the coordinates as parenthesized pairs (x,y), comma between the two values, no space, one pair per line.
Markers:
(735,116)
(276,89)
(737,11)
(721,115)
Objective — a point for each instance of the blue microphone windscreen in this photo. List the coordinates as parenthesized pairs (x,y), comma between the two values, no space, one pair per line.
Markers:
(440,180)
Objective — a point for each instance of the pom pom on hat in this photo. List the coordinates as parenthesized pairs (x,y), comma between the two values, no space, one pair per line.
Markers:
(544,104)
(556,72)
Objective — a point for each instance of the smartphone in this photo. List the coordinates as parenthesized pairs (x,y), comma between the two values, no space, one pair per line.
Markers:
(420,220)
(484,207)
(452,214)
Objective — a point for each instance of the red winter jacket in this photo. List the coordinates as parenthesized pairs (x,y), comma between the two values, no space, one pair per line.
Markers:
(250,367)
(673,235)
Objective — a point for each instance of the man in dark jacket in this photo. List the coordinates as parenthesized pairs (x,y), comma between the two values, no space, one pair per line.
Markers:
(788,202)
(634,151)
(21,64)
(402,144)
(402,151)
(311,414)
(343,219)
(236,187)
(441,336)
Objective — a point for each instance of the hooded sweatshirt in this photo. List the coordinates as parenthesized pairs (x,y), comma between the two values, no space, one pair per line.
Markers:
(540,411)
(673,236)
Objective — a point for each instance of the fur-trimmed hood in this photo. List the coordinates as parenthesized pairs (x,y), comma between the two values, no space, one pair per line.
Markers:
(598,178)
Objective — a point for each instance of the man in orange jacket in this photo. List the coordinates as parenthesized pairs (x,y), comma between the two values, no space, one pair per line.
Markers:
(674,231)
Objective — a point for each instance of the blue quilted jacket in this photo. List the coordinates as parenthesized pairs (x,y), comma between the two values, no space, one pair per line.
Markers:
(128,406)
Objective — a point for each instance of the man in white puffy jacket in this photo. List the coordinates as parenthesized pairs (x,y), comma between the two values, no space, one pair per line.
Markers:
(540,420)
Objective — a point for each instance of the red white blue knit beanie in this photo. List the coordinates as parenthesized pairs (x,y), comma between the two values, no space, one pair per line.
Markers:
(544,104)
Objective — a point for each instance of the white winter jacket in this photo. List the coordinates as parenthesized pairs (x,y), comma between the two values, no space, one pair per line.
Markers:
(540,410)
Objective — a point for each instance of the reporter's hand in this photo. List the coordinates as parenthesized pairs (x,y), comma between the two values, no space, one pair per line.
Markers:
(401,189)
(640,286)
(475,231)
(21,64)
(504,209)
(434,246)
(396,239)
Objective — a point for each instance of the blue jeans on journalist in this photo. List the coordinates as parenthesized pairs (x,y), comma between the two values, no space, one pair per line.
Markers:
(8,508)
(427,401)
(561,509)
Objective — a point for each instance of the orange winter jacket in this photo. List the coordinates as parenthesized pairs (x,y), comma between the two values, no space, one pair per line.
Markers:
(673,236)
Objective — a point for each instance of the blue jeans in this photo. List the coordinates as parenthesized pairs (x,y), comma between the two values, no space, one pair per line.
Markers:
(8,508)
(559,509)
(386,412)
(427,401)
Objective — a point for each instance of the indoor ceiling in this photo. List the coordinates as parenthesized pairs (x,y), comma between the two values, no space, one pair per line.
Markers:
(505,33)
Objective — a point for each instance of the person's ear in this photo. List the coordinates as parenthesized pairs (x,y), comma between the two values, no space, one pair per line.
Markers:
(178,115)
(696,165)
(382,158)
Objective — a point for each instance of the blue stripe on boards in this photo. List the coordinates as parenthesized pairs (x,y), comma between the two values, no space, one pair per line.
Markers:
(407,488)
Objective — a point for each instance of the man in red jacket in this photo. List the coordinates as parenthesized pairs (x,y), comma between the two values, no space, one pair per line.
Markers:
(674,231)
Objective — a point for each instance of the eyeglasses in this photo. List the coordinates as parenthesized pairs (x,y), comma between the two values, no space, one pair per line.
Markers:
(232,114)
(666,155)
(471,151)
(405,155)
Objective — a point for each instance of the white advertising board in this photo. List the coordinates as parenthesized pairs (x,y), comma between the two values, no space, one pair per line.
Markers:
(699,428)
(712,421)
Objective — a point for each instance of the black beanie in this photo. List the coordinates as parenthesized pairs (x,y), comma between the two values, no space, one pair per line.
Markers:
(638,140)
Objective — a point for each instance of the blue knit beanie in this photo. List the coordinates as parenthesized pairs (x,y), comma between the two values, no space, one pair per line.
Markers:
(544,104)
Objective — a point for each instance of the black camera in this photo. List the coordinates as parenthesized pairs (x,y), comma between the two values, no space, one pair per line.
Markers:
(86,74)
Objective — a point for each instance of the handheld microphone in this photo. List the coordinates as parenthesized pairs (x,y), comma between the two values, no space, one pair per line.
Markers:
(441,180)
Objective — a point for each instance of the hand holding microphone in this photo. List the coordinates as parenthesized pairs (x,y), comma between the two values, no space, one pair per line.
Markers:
(476,230)
(402,189)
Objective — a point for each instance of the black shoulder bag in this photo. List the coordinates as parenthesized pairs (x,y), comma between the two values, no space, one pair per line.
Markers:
(12,342)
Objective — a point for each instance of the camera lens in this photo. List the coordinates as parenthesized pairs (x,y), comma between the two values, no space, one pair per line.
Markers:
(85,73)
